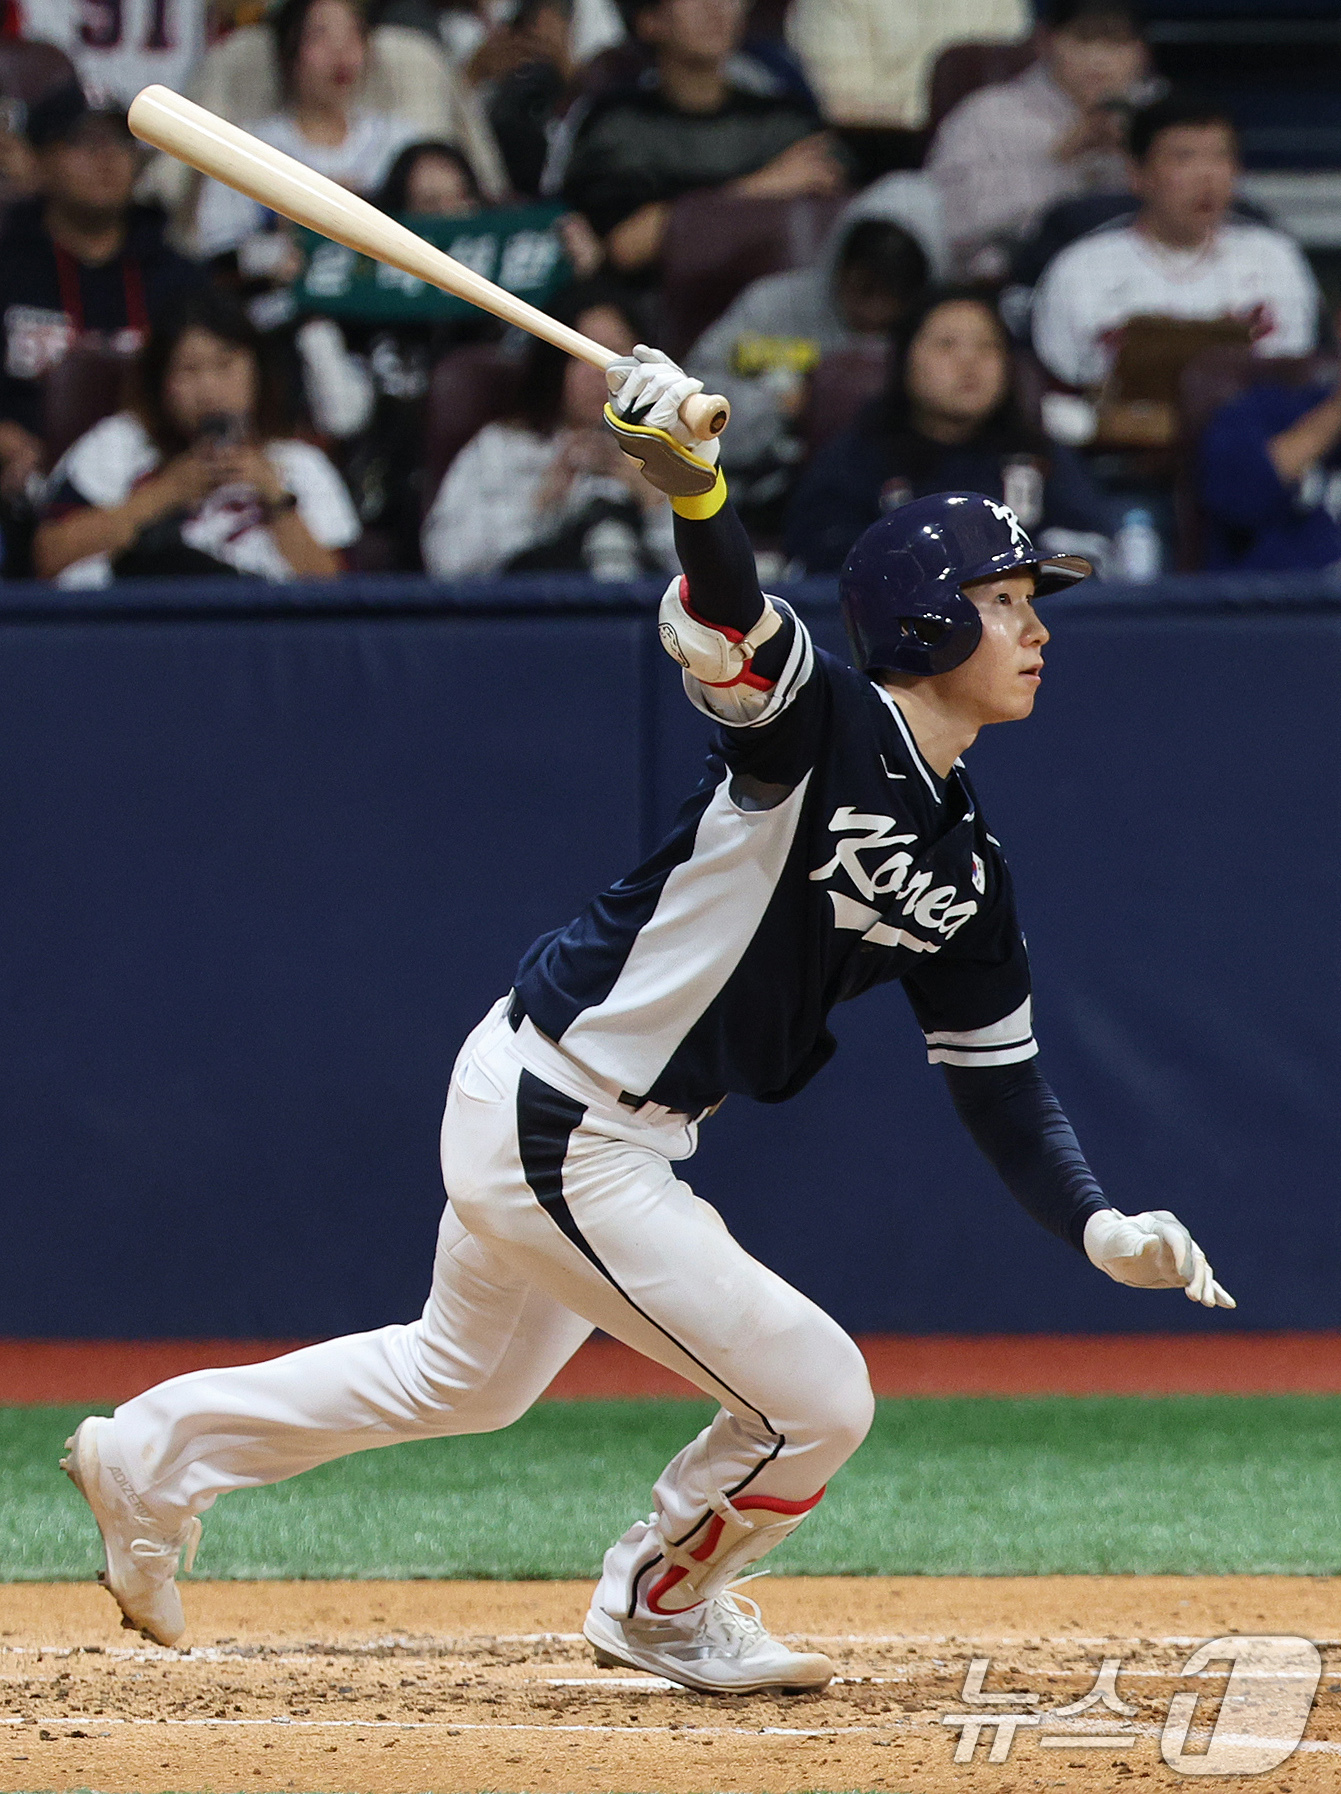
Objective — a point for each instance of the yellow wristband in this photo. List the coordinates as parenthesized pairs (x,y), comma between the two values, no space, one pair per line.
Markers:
(696,509)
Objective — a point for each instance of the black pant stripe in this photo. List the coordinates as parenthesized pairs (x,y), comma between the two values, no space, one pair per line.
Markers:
(546,1120)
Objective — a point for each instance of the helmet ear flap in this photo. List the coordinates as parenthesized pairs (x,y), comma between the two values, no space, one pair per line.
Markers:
(929,642)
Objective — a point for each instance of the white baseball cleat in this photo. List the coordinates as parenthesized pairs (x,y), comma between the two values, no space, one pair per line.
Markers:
(141,1554)
(716,1648)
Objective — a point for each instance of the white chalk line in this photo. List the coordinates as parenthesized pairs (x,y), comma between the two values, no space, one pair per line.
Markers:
(486,1641)
(1058,1740)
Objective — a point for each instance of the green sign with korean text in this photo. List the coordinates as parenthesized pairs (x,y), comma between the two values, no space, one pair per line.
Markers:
(517,247)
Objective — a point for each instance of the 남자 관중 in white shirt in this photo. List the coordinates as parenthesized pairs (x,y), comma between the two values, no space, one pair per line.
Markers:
(1245,271)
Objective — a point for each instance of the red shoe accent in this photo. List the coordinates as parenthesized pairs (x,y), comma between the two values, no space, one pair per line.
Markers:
(677,1573)
(778,1506)
(663,1586)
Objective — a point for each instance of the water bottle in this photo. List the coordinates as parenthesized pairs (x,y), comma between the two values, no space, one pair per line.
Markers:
(610,550)
(1140,553)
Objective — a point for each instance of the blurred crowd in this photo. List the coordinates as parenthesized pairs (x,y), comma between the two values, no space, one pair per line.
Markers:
(920,246)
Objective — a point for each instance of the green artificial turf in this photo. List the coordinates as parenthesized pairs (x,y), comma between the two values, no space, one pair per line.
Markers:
(1212,1484)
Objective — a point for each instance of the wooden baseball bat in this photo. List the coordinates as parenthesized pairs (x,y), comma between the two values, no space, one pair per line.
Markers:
(235,157)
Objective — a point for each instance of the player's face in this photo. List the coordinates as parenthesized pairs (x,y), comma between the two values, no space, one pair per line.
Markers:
(1000,679)
(208,377)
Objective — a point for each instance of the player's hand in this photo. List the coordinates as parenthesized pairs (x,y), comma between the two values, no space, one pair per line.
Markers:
(1152,1251)
(648,388)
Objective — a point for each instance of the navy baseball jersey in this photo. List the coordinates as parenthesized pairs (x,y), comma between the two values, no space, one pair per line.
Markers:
(819,856)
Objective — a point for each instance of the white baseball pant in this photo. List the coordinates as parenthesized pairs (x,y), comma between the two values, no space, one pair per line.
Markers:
(563,1214)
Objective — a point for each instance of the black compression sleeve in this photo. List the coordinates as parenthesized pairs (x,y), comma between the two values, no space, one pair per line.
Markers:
(718,562)
(1020,1128)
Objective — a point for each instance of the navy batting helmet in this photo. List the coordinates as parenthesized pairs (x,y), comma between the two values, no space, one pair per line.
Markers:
(901,586)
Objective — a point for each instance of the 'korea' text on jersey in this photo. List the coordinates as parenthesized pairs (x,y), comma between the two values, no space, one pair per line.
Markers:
(820,856)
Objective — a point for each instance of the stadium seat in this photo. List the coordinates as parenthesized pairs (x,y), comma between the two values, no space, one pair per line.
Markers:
(961,69)
(716,244)
(469,388)
(839,387)
(83,388)
(1211,381)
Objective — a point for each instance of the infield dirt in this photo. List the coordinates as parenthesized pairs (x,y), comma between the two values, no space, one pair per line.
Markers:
(396,1688)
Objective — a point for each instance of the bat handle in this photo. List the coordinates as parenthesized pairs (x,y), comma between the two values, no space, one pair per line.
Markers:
(705,415)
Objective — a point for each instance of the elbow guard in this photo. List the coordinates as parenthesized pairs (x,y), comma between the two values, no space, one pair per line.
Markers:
(712,653)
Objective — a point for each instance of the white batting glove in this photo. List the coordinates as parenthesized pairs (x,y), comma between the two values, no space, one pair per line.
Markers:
(647,387)
(1152,1251)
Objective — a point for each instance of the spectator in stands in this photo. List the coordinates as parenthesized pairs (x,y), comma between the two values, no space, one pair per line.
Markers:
(760,351)
(947,422)
(525,65)
(390,363)
(1270,479)
(1182,255)
(432,179)
(870,61)
(120,46)
(1008,152)
(79,261)
(546,489)
(701,118)
(18,168)
(322,49)
(489,37)
(200,476)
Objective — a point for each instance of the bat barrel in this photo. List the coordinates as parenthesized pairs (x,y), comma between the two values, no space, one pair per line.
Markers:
(228,154)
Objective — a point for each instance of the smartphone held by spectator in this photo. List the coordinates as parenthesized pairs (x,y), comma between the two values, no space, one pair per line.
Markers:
(1012,150)
(200,476)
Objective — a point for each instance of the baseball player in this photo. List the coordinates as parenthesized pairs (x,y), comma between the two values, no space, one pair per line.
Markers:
(833,843)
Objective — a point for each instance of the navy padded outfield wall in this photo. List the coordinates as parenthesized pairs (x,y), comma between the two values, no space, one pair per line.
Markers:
(268,856)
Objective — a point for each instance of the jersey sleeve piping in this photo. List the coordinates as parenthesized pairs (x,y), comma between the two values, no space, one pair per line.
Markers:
(747,707)
(1007,1042)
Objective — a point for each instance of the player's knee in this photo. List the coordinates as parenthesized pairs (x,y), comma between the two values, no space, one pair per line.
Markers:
(845,1404)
